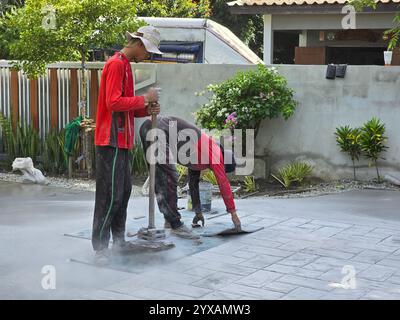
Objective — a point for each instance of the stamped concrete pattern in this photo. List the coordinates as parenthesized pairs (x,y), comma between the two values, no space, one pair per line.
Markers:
(342,246)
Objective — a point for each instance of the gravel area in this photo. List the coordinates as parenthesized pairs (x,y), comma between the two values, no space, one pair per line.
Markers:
(308,191)
(331,188)
(61,182)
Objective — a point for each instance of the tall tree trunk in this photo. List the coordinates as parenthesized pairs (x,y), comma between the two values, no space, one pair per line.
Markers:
(377,171)
(256,129)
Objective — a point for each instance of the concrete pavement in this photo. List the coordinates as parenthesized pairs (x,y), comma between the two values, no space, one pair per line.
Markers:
(340,246)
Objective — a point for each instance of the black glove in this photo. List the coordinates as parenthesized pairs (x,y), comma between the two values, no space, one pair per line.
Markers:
(198,217)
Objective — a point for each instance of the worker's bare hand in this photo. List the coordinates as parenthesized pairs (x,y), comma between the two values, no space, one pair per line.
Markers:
(154,108)
(152,95)
(198,217)
(236,220)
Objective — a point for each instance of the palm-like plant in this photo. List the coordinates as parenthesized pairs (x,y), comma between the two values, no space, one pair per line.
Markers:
(23,142)
(54,158)
(209,176)
(8,137)
(249,184)
(293,172)
(138,159)
(349,141)
(182,172)
(373,141)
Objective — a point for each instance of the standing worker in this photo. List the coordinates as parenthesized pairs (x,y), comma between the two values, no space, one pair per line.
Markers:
(116,110)
(166,183)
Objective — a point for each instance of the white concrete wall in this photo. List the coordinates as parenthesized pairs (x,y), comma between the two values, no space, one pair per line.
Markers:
(366,91)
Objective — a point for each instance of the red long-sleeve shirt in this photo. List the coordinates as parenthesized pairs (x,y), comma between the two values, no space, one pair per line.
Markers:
(117,106)
(209,156)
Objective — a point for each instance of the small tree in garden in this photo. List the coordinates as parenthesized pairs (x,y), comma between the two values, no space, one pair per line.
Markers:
(349,141)
(373,141)
(48,31)
(247,99)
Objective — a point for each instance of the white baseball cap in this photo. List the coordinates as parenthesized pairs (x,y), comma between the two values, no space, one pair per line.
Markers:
(150,37)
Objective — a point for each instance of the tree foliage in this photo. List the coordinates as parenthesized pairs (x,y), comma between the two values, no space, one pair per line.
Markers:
(175,8)
(249,28)
(75,27)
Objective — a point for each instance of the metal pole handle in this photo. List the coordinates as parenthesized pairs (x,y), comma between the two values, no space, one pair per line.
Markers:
(152,177)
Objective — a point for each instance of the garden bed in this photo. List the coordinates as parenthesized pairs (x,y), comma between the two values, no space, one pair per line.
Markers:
(317,188)
(64,182)
(265,188)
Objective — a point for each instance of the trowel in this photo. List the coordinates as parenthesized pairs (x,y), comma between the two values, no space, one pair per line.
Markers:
(226,230)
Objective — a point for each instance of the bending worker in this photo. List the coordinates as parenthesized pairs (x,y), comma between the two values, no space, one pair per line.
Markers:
(204,153)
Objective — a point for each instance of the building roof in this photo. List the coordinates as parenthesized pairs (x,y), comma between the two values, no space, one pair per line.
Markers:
(242,3)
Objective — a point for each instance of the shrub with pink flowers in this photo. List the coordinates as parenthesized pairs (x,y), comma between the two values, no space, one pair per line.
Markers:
(231,121)
(245,100)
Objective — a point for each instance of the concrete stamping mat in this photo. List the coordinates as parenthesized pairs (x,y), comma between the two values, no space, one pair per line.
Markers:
(220,229)
(133,225)
(141,261)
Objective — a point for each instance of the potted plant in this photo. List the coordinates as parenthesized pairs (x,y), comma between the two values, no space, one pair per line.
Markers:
(387,55)
(392,35)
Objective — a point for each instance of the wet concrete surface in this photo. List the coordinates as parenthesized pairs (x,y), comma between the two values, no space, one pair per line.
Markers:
(34,219)
(33,222)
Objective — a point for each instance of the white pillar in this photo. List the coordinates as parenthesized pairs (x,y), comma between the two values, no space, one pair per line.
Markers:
(268,39)
(303,39)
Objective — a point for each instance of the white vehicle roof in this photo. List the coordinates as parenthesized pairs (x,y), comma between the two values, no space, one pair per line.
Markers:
(220,44)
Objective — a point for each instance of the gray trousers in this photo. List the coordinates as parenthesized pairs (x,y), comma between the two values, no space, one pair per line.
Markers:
(166,183)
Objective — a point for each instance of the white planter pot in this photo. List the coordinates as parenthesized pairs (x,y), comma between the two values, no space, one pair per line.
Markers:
(388,57)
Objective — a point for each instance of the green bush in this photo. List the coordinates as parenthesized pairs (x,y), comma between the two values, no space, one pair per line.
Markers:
(24,142)
(293,172)
(209,176)
(138,160)
(249,184)
(54,158)
(253,95)
(373,141)
(182,172)
(349,141)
